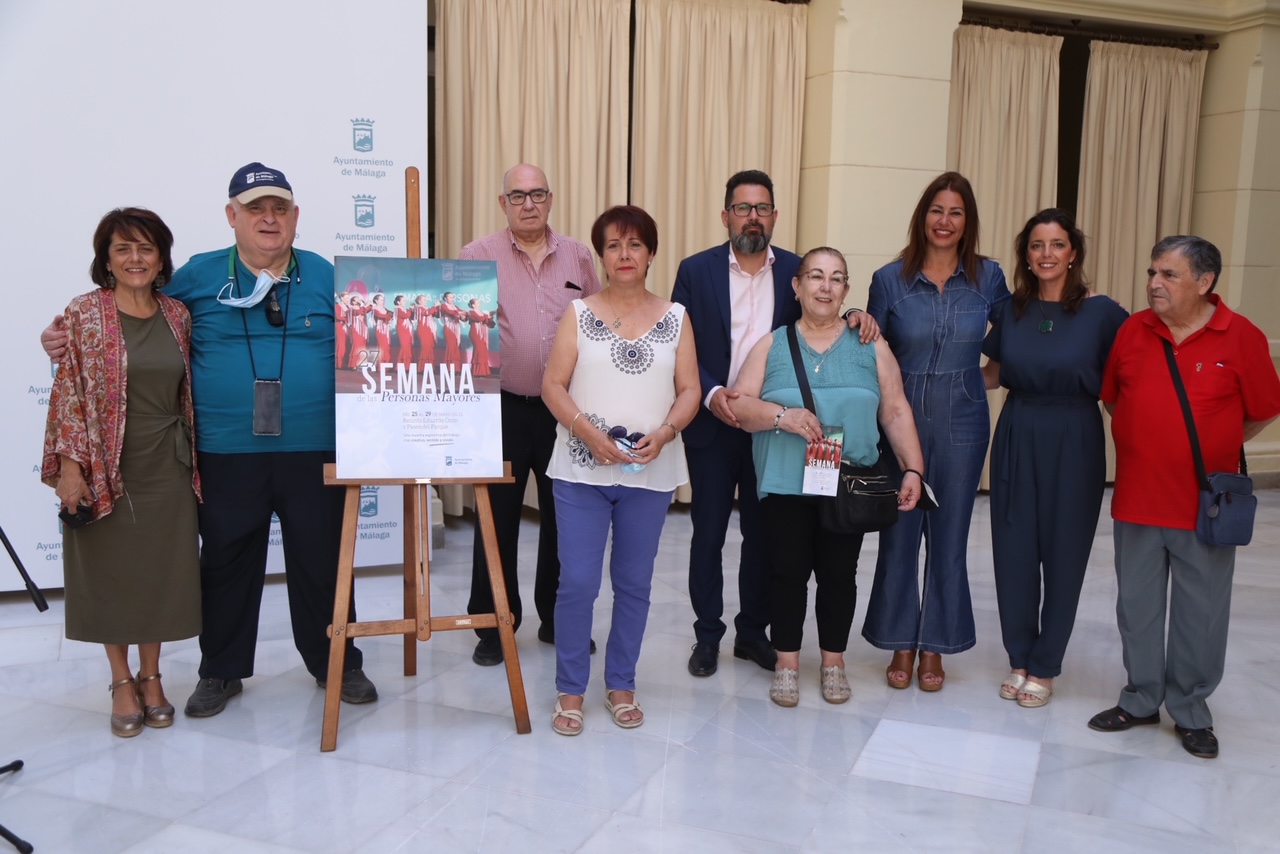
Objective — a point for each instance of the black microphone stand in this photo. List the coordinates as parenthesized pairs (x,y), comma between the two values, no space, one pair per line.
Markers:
(37,597)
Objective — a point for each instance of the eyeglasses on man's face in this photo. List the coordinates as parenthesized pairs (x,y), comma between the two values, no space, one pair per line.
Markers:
(817,277)
(517,197)
(744,209)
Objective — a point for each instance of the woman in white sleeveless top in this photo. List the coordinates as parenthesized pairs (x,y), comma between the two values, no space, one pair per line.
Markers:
(622,380)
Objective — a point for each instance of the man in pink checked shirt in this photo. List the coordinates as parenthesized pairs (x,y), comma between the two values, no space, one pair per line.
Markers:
(539,273)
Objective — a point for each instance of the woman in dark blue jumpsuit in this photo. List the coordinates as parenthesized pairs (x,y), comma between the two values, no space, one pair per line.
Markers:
(1049,345)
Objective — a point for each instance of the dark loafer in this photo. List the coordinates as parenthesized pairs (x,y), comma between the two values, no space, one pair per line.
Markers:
(1116,719)
(488,652)
(210,697)
(356,687)
(761,652)
(1199,742)
(703,660)
(547,634)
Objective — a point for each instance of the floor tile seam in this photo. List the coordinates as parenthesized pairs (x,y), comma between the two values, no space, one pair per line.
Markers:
(197,829)
(1142,796)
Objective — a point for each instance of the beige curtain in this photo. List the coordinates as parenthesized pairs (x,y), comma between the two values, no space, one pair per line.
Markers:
(1002,134)
(1137,159)
(536,81)
(719,87)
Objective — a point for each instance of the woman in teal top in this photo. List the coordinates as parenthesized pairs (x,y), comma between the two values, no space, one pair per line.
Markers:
(857,389)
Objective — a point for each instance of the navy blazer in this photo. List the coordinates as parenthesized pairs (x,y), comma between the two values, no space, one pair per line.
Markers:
(702,287)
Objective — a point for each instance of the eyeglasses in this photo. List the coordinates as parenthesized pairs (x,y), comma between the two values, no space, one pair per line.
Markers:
(274,315)
(817,277)
(517,197)
(744,209)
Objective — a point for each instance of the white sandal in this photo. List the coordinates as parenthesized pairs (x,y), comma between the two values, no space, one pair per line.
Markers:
(571,714)
(617,710)
(1011,685)
(1039,694)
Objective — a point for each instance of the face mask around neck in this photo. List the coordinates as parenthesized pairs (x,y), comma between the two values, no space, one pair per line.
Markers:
(260,289)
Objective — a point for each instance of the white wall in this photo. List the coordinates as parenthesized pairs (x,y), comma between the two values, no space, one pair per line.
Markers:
(155,103)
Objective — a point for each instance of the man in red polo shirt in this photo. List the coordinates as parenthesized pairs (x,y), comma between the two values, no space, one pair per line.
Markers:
(1226,367)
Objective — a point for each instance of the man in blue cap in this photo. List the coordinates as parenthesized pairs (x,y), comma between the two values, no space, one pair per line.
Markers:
(262,339)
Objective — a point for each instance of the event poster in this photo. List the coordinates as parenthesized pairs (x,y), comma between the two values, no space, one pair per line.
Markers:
(417,368)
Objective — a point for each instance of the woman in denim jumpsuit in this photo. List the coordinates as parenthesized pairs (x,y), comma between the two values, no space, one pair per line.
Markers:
(933,304)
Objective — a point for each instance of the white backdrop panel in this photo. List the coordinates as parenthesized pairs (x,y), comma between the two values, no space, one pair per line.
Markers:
(155,103)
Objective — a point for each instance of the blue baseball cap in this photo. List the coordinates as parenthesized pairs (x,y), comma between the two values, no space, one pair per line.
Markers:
(253,181)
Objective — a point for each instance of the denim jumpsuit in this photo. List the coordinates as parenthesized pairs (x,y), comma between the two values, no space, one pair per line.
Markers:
(937,339)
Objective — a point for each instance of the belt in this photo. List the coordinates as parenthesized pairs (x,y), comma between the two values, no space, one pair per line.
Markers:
(522,398)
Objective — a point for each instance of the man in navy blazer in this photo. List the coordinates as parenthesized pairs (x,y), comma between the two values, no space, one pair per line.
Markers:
(734,294)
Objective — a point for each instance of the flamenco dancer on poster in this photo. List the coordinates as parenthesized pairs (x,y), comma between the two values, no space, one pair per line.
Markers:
(481,323)
(453,317)
(359,330)
(426,330)
(382,318)
(341,328)
(404,331)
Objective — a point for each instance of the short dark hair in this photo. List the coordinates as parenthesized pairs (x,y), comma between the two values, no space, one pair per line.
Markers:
(628,219)
(1027,286)
(131,224)
(749,176)
(913,255)
(1202,255)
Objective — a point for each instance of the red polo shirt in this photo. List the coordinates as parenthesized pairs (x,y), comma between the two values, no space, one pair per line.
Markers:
(1230,378)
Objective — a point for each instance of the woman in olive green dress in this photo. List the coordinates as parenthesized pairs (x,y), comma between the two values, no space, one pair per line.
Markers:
(132,574)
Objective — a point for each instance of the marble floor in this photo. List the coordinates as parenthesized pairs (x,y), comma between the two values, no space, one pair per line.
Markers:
(436,763)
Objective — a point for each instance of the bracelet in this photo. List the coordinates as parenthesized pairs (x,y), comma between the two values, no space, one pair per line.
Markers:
(777,418)
(914,472)
(675,430)
(572,422)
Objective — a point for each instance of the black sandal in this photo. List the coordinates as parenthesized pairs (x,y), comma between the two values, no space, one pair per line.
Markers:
(1117,719)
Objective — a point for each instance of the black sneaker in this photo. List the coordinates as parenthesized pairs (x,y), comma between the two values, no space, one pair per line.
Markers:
(488,652)
(356,687)
(211,695)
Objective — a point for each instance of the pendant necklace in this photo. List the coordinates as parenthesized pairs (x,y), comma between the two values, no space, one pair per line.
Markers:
(817,369)
(1046,325)
(617,318)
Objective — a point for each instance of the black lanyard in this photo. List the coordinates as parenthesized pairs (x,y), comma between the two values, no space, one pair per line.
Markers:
(292,275)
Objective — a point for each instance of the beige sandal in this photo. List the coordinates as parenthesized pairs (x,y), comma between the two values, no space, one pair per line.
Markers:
(785,690)
(1011,685)
(617,710)
(1039,694)
(571,714)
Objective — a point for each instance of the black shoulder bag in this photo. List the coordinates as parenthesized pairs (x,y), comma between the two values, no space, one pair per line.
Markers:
(866,499)
(1227,502)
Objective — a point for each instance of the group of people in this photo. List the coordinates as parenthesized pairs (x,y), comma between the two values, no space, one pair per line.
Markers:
(405,334)
(612,397)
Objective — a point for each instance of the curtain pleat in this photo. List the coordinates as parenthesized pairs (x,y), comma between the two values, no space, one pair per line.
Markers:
(1002,134)
(719,87)
(534,81)
(528,81)
(1137,159)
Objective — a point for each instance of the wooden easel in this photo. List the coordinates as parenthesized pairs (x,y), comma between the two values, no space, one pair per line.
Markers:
(417,623)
